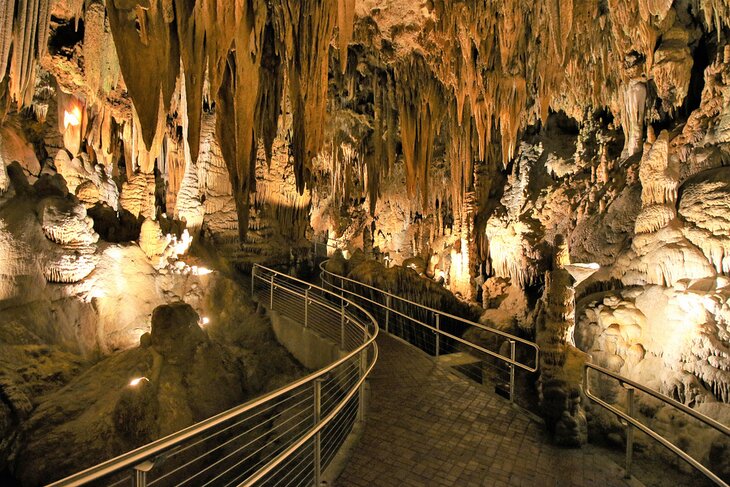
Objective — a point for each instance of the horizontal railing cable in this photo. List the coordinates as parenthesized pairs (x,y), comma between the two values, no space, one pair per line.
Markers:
(632,421)
(275,439)
(408,321)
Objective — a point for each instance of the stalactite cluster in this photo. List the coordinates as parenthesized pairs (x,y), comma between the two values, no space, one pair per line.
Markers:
(237,53)
(309,25)
(421,107)
(23,40)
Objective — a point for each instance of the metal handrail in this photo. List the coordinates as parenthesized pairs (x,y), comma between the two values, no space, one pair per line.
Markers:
(143,458)
(328,278)
(436,311)
(632,422)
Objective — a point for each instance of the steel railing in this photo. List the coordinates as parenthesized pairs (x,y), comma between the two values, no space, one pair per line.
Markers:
(286,437)
(435,332)
(631,421)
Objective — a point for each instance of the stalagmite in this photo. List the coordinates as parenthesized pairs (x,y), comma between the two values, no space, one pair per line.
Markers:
(138,195)
(560,362)
(66,224)
(703,205)
(659,177)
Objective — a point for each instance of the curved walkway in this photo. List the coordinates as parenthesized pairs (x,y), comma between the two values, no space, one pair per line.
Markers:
(428,427)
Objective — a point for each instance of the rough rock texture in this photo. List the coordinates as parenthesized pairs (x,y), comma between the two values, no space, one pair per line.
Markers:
(673,340)
(458,138)
(403,281)
(703,206)
(190,376)
(560,362)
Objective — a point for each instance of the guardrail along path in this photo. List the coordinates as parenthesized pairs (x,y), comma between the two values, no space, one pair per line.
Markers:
(426,426)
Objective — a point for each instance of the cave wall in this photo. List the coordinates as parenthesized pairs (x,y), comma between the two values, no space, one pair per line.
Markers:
(460,137)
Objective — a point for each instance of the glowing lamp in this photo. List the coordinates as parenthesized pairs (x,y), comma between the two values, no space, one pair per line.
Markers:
(135,382)
(204,320)
(200,271)
(72,118)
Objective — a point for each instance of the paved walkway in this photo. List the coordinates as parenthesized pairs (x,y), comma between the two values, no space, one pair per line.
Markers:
(428,427)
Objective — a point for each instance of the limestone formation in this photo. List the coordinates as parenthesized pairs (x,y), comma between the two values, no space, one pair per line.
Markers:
(138,195)
(560,361)
(162,249)
(89,182)
(453,150)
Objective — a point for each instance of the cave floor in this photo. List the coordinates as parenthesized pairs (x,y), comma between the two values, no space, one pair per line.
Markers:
(426,426)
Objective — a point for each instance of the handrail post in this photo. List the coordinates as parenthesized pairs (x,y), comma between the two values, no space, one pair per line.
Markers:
(253,279)
(387,314)
(342,326)
(512,371)
(438,335)
(631,411)
(271,296)
(318,435)
(306,307)
(140,473)
(361,392)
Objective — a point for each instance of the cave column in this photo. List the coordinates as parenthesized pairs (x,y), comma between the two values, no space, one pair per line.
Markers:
(561,363)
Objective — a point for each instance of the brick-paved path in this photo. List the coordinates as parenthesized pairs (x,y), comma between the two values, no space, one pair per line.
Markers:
(427,427)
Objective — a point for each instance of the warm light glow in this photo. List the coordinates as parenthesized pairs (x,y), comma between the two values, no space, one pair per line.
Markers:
(181,245)
(204,320)
(134,382)
(200,271)
(72,118)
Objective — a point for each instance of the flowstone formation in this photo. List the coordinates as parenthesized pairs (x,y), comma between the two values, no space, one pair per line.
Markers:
(673,340)
(453,139)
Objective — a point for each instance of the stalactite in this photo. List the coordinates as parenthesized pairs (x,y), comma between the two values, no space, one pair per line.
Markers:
(308,25)
(560,13)
(101,66)
(461,161)
(716,14)
(191,35)
(29,38)
(420,104)
(149,58)
(345,19)
(7,12)
(271,86)
(380,163)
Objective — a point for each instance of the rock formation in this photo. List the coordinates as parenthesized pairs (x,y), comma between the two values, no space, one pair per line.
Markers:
(561,363)
(452,141)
